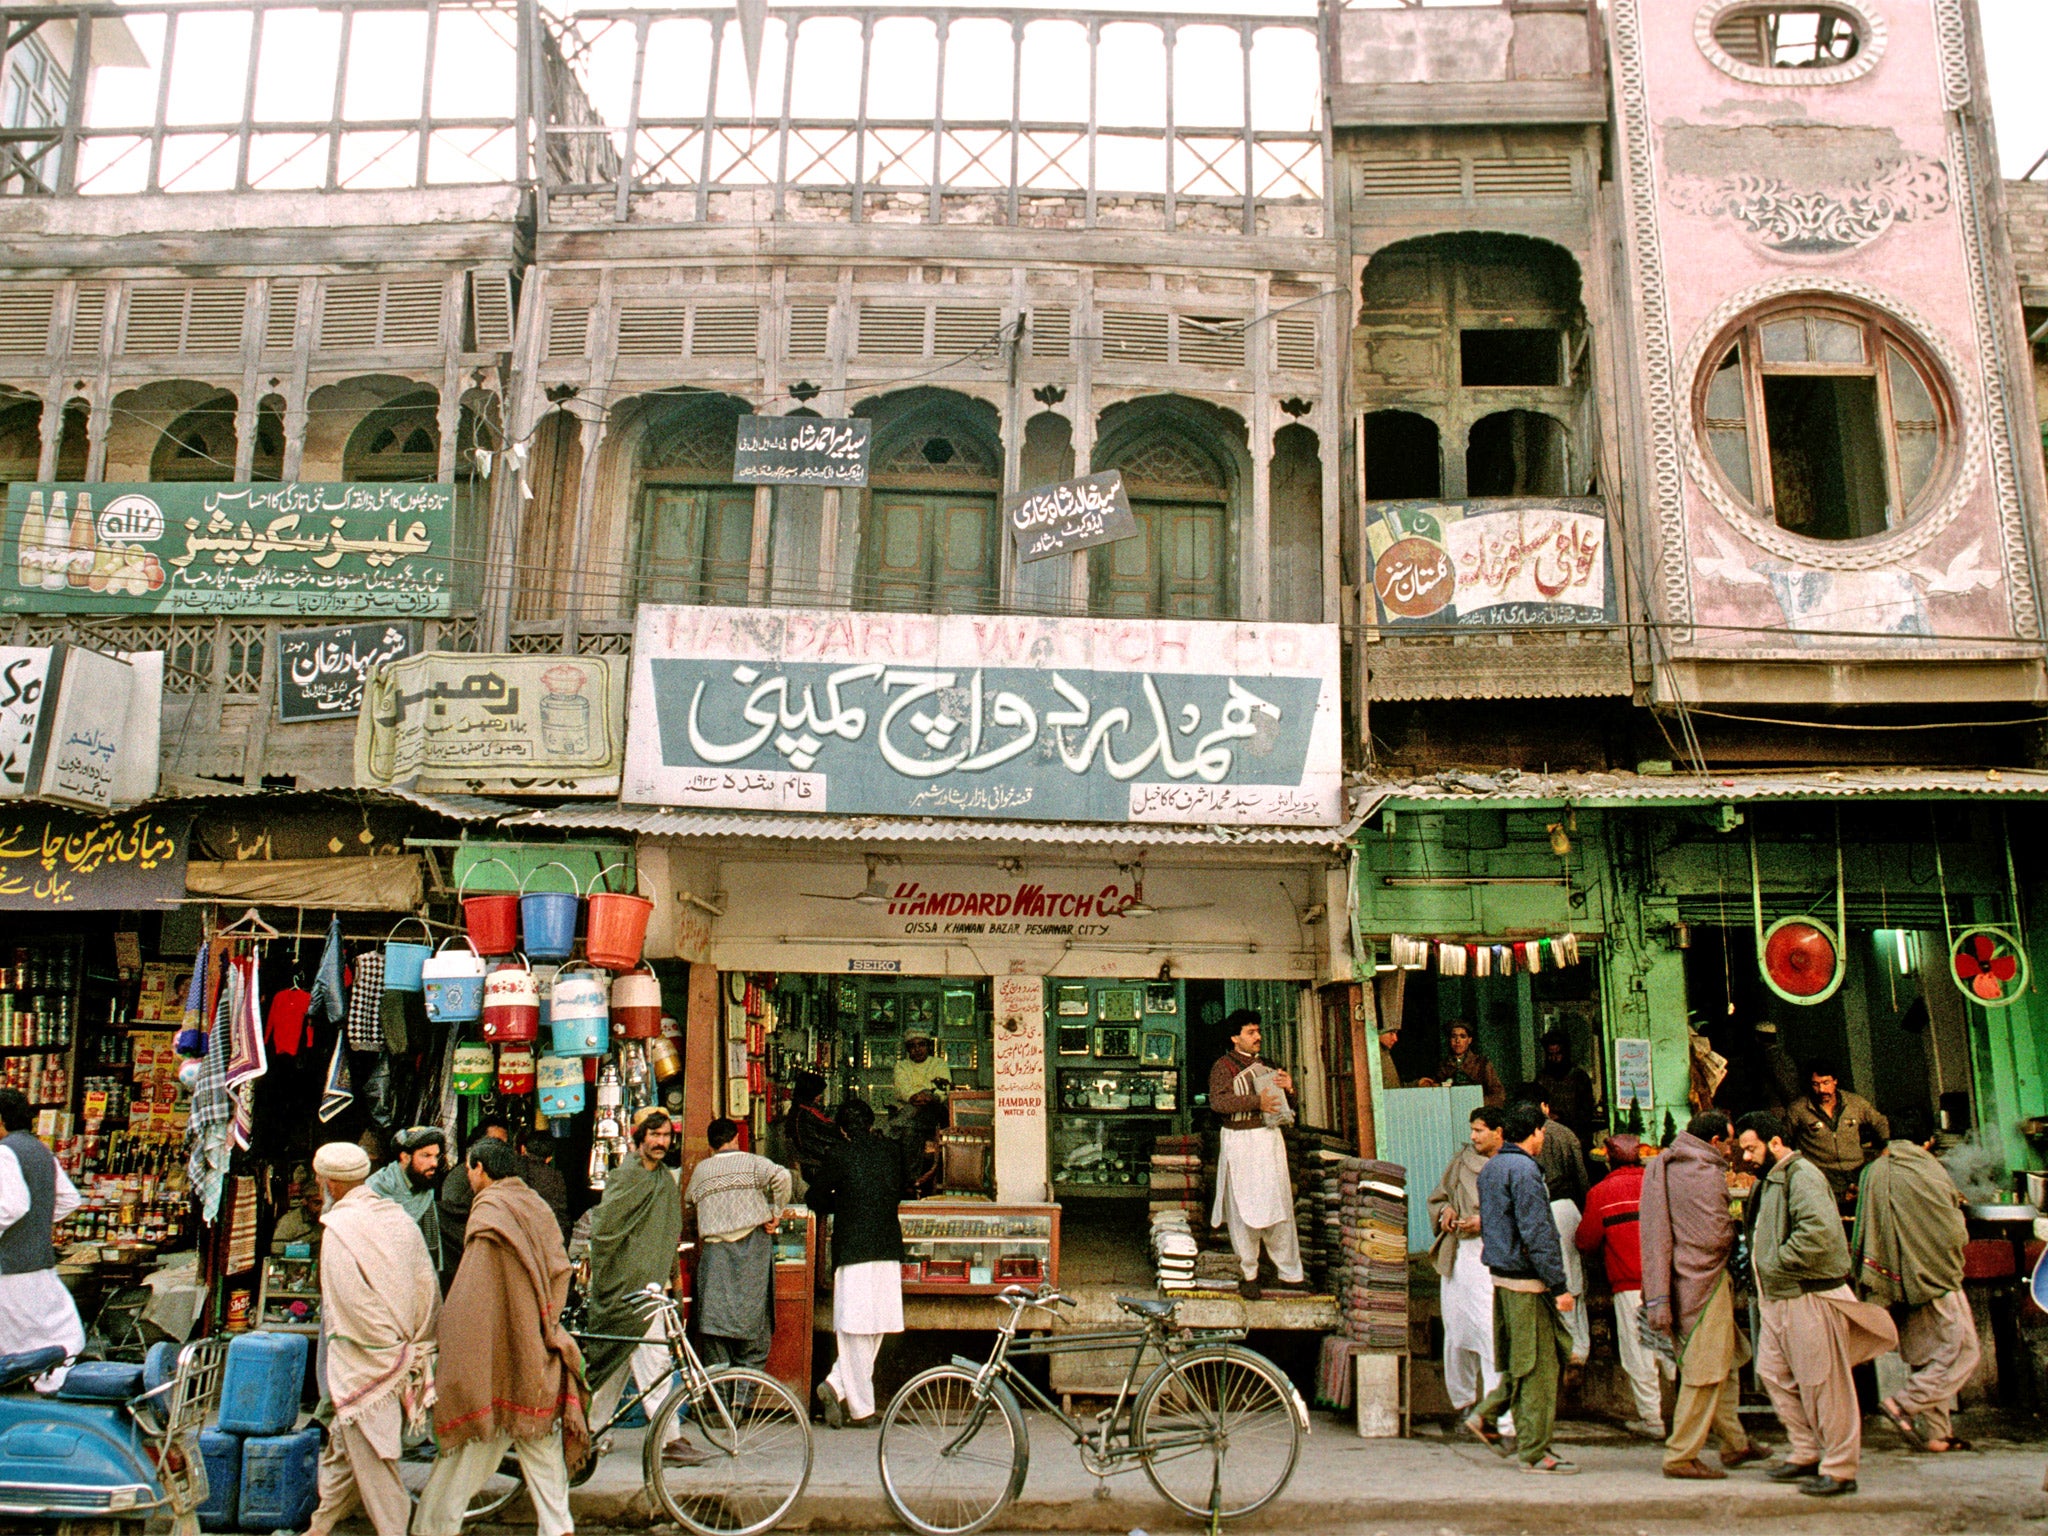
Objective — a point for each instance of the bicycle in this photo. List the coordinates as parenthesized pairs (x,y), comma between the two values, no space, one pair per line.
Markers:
(1216,1427)
(757,1430)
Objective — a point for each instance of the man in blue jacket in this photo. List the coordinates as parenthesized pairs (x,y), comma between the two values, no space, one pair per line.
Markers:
(1530,1340)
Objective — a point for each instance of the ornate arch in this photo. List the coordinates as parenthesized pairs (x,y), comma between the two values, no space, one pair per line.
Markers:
(689,436)
(935,437)
(198,445)
(1176,446)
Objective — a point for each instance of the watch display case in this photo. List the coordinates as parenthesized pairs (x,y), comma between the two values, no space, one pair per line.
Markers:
(974,1248)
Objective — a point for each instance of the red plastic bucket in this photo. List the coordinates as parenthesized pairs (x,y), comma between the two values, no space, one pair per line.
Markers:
(618,926)
(492,920)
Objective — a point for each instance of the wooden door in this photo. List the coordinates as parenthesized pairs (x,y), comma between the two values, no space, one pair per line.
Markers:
(1174,567)
(696,544)
(928,553)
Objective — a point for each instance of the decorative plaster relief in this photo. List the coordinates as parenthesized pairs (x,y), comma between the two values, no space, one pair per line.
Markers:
(1890,549)
(1869,50)
(1826,189)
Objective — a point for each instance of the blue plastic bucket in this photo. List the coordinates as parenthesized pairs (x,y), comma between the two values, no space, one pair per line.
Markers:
(548,918)
(403,959)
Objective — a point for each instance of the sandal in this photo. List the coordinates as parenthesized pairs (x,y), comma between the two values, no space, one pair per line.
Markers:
(1943,1447)
(1903,1423)
(1476,1427)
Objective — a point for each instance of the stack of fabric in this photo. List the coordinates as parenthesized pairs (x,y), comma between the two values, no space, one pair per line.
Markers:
(1372,1281)
(1174,1250)
(1176,1177)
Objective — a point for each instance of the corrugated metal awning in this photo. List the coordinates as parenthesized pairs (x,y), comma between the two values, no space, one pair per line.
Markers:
(699,825)
(1624,791)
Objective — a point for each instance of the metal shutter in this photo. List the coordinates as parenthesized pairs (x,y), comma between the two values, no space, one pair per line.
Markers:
(1133,336)
(1208,341)
(647,330)
(725,330)
(891,330)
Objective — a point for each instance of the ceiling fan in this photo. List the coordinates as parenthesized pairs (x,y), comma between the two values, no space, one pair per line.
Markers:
(1138,906)
(877,892)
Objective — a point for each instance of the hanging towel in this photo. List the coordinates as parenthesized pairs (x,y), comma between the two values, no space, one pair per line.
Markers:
(365,999)
(246,1058)
(212,1109)
(192,1025)
(330,1003)
(338,1093)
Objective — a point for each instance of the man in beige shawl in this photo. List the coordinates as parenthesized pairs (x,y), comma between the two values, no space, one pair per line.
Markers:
(1909,1253)
(510,1376)
(1812,1331)
(380,1299)
(1465,1286)
(1686,1236)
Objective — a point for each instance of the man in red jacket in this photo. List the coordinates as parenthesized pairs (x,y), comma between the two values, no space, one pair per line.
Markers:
(1610,1227)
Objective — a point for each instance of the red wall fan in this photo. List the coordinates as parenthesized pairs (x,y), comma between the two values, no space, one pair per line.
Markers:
(1801,957)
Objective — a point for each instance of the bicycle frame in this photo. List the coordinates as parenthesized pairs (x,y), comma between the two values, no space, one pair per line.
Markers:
(683,1357)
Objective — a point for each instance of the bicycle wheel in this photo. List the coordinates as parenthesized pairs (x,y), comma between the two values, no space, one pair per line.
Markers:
(754,1439)
(952,1459)
(1217,1425)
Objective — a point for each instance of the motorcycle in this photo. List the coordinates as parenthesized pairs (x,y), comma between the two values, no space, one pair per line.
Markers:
(117,1442)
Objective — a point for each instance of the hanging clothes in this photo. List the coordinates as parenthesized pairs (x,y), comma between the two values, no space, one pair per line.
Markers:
(366,998)
(287,1030)
(339,1091)
(330,1002)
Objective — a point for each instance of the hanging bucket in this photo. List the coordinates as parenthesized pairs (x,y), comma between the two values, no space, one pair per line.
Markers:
(559,1081)
(403,959)
(454,983)
(470,1070)
(512,1004)
(618,925)
(549,917)
(578,1018)
(636,1004)
(515,1069)
(493,919)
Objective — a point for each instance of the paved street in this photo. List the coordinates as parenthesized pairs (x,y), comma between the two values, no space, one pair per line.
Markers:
(1428,1485)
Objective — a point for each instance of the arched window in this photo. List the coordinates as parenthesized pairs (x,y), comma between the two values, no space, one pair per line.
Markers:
(1404,457)
(694,540)
(1516,453)
(199,445)
(1183,490)
(1296,504)
(1826,418)
(931,540)
(399,441)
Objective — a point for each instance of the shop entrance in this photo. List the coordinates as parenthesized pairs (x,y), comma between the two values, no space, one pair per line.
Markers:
(1509,1015)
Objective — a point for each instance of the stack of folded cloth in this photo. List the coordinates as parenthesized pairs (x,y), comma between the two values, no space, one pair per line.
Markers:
(1372,1279)
(1176,1175)
(1175,1250)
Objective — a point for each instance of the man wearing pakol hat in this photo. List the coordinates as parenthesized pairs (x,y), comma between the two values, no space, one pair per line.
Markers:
(634,1234)
(380,1301)
(409,1179)
(1612,1228)
(510,1377)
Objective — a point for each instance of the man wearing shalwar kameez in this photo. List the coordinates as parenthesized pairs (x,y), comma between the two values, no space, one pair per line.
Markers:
(1254,1195)
(1909,1253)
(738,1198)
(860,1182)
(1466,1285)
(35,1309)
(380,1300)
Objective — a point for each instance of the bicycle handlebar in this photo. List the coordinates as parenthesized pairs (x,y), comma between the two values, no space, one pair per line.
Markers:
(1045,1296)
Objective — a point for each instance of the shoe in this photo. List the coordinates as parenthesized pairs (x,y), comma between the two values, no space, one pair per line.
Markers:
(1821,1486)
(1793,1471)
(1552,1465)
(1475,1426)
(1249,1290)
(1696,1469)
(1292,1287)
(1645,1429)
(680,1453)
(832,1405)
(1730,1460)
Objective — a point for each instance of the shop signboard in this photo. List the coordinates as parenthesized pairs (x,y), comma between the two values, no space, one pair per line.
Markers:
(1005,717)
(1491,564)
(24,677)
(84,738)
(1632,1075)
(802,450)
(1075,514)
(1020,1107)
(31,699)
(493,724)
(57,860)
(228,547)
(320,672)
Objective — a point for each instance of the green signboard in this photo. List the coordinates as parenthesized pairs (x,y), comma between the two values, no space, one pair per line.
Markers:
(228,547)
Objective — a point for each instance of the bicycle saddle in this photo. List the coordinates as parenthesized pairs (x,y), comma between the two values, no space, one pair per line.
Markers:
(1145,1306)
(15,1369)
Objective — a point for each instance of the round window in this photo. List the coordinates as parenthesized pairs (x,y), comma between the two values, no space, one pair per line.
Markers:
(1826,419)
(1764,43)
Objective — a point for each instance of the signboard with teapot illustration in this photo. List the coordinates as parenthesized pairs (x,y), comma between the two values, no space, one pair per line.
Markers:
(229,547)
(1511,563)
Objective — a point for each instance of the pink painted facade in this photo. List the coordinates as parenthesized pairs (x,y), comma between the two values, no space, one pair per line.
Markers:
(1862,189)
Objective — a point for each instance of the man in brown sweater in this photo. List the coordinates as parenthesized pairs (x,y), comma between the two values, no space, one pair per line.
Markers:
(1254,1195)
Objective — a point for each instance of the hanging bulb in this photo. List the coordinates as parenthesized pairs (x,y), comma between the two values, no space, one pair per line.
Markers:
(1560,840)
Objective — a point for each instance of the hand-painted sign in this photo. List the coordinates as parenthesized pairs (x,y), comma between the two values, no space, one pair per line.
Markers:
(961,715)
(1075,514)
(474,724)
(320,672)
(24,680)
(801,450)
(79,751)
(53,859)
(228,548)
(1512,564)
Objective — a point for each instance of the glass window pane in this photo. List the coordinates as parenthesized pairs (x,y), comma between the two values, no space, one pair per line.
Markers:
(1724,395)
(1731,452)
(1910,399)
(1918,446)
(1837,341)
(1785,340)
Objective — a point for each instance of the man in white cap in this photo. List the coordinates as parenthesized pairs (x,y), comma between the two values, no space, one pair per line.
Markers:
(380,1301)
